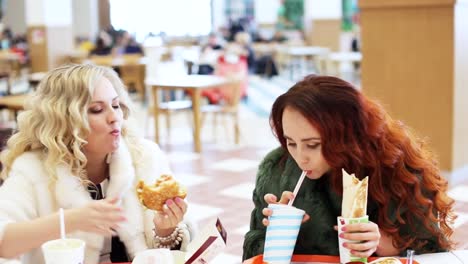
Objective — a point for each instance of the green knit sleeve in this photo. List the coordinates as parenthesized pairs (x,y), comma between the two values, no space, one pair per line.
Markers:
(255,238)
(266,182)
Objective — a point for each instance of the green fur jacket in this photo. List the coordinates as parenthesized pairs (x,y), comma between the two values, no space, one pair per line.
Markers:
(316,236)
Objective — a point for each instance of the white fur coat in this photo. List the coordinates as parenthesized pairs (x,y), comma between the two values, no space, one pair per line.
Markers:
(25,195)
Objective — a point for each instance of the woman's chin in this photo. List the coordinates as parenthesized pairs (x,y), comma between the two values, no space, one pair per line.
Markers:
(115,146)
(314,176)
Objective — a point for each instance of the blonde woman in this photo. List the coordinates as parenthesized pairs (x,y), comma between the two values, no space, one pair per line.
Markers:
(74,150)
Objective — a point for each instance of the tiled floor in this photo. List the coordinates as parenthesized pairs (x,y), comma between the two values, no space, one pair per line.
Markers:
(220,181)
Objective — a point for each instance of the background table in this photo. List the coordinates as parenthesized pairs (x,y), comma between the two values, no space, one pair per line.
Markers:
(193,84)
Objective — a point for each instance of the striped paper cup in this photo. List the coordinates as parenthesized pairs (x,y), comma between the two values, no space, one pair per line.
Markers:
(281,233)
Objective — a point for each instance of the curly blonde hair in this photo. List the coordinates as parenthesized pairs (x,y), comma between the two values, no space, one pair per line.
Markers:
(55,120)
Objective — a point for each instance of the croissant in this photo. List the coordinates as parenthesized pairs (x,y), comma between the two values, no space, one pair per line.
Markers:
(155,196)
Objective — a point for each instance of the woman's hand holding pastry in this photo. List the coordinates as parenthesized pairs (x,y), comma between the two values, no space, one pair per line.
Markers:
(100,216)
(368,233)
(173,213)
(269,198)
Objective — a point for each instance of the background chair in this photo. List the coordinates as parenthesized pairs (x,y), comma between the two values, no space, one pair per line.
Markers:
(132,72)
(168,108)
(228,106)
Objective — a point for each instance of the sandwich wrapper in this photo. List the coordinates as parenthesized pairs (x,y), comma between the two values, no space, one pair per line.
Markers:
(207,244)
(353,210)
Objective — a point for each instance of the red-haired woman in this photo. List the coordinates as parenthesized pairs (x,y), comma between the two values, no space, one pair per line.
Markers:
(323,125)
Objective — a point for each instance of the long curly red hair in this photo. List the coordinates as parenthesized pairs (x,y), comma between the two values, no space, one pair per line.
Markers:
(359,136)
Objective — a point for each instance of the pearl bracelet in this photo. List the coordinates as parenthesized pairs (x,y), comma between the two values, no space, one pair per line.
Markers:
(170,241)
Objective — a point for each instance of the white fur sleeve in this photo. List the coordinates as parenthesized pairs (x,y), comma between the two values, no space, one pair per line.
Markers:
(16,201)
(156,165)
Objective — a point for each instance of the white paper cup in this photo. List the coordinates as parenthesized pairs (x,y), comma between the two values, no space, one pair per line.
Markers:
(179,256)
(345,254)
(281,233)
(158,255)
(60,251)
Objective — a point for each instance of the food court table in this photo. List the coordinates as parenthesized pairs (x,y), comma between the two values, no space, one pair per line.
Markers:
(13,102)
(452,257)
(193,84)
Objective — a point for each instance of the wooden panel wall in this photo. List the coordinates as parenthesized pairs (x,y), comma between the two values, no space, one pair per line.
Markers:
(104,14)
(408,64)
(37,42)
(49,47)
(460,152)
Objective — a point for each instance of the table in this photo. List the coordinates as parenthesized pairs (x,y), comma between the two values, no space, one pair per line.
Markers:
(304,54)
(35,78)
(453,257)
(336,58)
(117,61)
(13,102)
(193,84)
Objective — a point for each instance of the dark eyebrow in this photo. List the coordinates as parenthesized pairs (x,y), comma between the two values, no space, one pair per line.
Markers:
(304,139)
(113,99)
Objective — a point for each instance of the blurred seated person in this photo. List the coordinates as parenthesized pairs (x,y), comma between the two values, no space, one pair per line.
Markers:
(101,48)
(122,38)
(207,52)
(6,38)
(235,27)
(279,37)
(213,43)
(19,46)
(133,47)
(262,65)
(85,45)
(233,67)
(242,46)
(356,45)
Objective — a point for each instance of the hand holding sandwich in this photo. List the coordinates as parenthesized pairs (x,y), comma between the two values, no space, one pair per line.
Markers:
(165,197)
(368,233)
(354,205)
(172,214)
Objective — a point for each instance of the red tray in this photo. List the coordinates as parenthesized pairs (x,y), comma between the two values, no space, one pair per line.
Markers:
(314,258)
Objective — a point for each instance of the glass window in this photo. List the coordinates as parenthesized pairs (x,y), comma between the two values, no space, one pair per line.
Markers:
(173,17)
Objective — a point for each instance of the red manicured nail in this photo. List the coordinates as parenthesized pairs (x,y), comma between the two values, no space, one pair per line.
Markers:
(169,202)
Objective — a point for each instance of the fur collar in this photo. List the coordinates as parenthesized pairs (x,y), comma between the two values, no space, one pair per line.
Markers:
(70,193)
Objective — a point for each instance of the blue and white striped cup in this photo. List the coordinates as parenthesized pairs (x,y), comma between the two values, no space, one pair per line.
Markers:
(281,233)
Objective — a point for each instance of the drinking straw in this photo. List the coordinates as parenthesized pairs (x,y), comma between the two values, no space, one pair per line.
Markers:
(62,224)
(298,186)
(409,256)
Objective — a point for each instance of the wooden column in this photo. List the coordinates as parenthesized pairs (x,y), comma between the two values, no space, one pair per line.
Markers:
(49,46)
(49,33)
(104,14)
(38,52)
(415,61)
